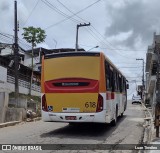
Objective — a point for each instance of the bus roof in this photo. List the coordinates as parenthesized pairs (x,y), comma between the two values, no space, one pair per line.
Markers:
(48,56)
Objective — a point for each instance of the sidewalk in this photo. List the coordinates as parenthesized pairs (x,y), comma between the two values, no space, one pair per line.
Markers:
(154,140)
(150,131)
(9,124)
(12,123)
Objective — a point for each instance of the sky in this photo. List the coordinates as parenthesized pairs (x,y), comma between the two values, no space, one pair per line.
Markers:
(122,29)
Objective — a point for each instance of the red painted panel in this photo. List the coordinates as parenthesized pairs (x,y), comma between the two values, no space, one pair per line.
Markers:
(71,85)
(110,95)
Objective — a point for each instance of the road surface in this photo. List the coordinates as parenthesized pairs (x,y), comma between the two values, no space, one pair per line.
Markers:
(129,130)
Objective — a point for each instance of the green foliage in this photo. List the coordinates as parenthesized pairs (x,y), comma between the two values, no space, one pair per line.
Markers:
(34,35)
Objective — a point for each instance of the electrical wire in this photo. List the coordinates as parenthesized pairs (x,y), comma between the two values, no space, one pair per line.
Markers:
(69,17)
(11,38)
(54,8)
(93,33)
(31,13)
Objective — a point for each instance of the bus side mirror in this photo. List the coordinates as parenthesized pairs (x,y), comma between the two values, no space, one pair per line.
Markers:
(127,86)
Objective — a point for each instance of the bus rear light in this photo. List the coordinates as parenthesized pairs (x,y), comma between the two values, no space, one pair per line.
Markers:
(44,103)
(99,104)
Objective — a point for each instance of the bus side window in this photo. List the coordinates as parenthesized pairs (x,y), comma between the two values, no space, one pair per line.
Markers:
(107,76)
(124,85)
(115,81)
(112,81)
(120,84)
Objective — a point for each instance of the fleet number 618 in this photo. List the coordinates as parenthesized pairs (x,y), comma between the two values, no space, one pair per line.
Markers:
(90,104)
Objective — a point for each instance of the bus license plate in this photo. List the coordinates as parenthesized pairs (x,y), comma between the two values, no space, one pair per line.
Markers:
(70,117)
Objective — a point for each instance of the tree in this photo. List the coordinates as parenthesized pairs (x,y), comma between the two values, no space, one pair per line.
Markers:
(34,36)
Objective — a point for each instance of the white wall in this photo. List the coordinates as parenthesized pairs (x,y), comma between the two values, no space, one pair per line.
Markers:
(3,74)
(6,51)
(28,60)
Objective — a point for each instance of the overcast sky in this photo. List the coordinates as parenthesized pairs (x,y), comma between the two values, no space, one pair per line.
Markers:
(122,29)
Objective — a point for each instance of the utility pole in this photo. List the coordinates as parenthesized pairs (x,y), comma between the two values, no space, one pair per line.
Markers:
(16,58)
(80,25)
(157,109)
(143,86)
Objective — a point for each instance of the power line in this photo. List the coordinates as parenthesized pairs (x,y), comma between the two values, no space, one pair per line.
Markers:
(114,49)
(93,33)
(53,7)
(75,14)
(85,21)
(70,10)
(74,20)
(69,17)
(31,12)
(88,27)
(11,38)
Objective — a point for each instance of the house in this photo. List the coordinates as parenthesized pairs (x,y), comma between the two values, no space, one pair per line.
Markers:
(38,52)
(151,72)
(7,62)
(25,66)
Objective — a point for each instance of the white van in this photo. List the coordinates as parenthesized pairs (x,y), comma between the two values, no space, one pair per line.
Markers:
(136,99)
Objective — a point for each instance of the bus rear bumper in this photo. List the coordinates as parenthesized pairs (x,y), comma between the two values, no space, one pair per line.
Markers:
(99,117)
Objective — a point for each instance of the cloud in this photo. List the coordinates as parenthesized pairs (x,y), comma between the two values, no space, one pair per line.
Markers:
(5,17)
(140,17)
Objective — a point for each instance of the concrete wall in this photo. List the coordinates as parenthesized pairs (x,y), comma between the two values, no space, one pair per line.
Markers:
(15,114)
(22,90)
(3,105)
(21,104)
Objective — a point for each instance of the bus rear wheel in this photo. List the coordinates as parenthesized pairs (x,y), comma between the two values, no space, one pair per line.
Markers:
(121,115)
(73,124)
(114,122)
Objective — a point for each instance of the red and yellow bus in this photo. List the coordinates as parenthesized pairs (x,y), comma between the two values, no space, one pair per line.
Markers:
(82,87)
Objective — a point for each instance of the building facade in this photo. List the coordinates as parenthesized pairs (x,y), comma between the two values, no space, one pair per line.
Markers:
(151,72)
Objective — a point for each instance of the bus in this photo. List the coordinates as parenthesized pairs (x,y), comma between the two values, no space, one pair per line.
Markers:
(80,87)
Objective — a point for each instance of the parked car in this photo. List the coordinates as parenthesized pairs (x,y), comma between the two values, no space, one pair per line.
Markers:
(136,99)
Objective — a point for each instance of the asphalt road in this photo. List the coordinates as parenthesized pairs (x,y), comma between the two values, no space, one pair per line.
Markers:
(129,130)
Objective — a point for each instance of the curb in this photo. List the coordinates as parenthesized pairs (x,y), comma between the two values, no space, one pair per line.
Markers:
(2,125)
(34,119)
(37,119)
(148,127)
(9,124)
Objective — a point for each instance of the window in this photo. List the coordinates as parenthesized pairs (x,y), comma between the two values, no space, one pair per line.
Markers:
(120,83)
(112,81)
(109,75)
(124,85)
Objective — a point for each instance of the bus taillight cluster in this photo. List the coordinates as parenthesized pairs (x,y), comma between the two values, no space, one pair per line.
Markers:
(99,104)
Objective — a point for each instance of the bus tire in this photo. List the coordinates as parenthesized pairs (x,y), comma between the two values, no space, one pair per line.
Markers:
(72,124)
(114,122)
(121,114)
